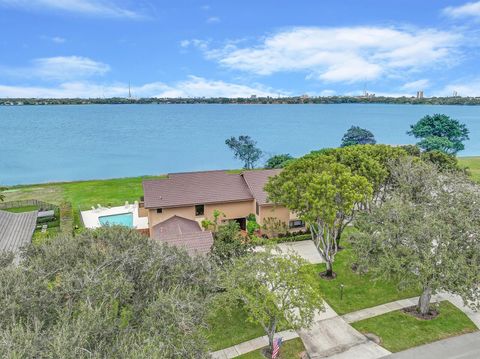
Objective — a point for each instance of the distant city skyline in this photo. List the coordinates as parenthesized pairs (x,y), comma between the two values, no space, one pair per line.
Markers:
(123,48)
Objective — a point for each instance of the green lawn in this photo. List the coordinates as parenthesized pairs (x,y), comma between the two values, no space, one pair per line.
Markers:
(291,349)
(360,290)
(22,209)
(473,165)
(83,194)
(399,331)
(228,329)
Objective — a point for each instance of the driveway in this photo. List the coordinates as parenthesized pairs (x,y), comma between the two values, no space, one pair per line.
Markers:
(305,249)
(465,346)
(331,337)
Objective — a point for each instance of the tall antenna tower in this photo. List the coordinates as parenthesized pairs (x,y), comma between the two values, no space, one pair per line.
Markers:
(129,90)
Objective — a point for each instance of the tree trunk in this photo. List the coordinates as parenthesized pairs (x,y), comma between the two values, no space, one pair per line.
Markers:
(424,301)
(271,334)
(329,272)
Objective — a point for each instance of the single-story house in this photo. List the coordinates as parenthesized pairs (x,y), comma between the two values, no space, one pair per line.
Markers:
(16,230)
(182,232)
(194,196)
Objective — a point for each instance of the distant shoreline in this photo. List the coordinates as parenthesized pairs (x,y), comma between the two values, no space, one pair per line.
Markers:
(301,100)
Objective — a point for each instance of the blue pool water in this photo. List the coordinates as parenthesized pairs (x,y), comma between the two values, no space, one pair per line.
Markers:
(124,219)
(64,143)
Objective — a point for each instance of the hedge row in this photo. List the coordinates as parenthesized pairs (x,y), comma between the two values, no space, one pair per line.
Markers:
(291,238)
(66,218)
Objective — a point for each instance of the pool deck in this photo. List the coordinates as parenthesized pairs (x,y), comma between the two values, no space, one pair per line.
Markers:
(90,217)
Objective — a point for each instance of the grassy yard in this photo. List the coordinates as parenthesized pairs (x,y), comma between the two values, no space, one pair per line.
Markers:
(360,291)
(399,331)
(473,165)
(21,209)
(82,194)
(230,328)
(290,349)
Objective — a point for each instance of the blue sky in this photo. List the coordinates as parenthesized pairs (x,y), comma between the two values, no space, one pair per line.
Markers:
(73,48)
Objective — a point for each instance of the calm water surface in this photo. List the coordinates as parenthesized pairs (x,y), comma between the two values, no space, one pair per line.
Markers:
(59,143)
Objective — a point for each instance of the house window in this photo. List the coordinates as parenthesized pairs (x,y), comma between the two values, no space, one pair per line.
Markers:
(296,224)
(199,210)
(257,208)
(159,210)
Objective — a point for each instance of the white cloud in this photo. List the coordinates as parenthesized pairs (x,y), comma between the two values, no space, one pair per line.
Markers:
(196,86)
(192,87)
(61,68)
(468,87)
(416,85)
(185,43)
(213,20)
(104,8)
(58,40)
(54,39)
(345,54)
(471,9)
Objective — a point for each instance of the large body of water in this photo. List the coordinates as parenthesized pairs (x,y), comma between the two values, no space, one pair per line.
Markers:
(62,143)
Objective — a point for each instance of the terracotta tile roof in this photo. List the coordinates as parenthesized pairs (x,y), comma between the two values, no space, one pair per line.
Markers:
(256,181)
(193,243)
(181,189)
(185,233)
(16,229)
(174,226)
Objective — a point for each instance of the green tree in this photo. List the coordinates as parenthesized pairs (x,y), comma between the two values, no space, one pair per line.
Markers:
(245,149)
(440,132)
(373,162)
(107,293)
(208,224)
(278,161)
(274,227)
(324,194)
(426,235)
(443,161)
(2,196)
(273,290)
(357,136)
(228,243)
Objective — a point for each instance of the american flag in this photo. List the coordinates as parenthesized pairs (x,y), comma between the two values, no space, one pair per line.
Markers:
(276,347)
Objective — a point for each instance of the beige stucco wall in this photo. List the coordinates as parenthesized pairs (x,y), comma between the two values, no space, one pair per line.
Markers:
(275,211)
(230,210)
(155,218)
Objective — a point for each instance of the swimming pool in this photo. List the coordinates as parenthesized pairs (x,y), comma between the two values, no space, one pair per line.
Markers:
(122,219)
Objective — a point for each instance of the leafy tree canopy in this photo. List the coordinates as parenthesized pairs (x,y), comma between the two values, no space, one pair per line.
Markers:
(427,234)
(245,149)
(228,243)
(370,161)
(441,160)
(357,136)
(278,161)
(440,132)
(324,193)
(108,293)
(273,290)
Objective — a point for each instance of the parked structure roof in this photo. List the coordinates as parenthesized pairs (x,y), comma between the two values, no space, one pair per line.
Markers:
(16,229)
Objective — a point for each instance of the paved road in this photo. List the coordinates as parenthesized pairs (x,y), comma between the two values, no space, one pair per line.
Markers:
(465,346)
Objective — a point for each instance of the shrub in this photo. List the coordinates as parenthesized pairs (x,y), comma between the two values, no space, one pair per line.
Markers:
(111,291)
(66,218)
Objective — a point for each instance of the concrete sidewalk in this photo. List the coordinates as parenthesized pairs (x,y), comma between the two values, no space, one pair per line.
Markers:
(331,337)
(385,308)
(251,345)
